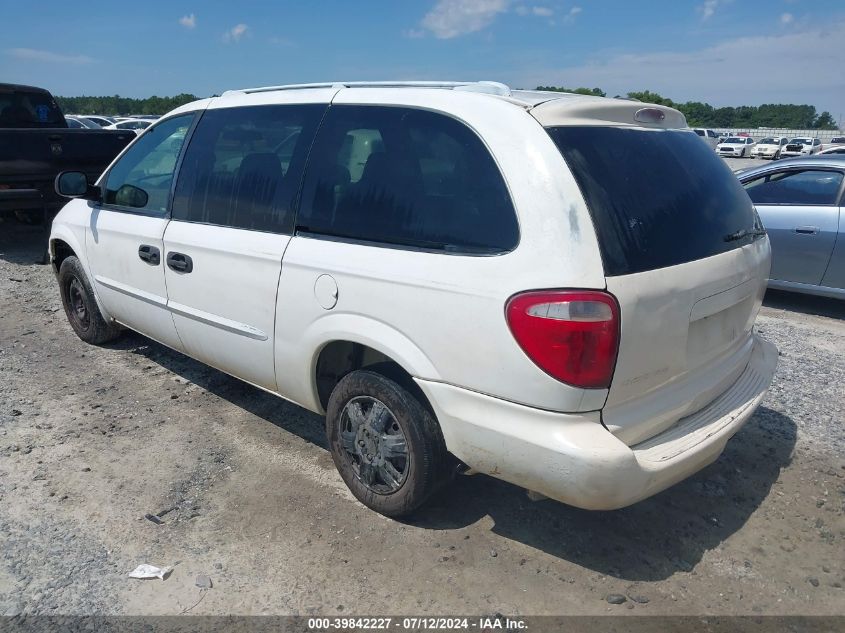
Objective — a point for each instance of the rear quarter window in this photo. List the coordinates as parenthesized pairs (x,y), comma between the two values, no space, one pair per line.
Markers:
(657,198)
(406,177)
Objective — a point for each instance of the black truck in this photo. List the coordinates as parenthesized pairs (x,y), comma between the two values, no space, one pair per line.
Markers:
(36,144)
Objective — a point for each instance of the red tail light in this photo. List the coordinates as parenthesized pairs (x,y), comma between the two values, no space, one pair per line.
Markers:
(571,335)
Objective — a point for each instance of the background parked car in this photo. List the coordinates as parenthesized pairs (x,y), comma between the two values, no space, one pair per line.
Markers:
(136,125)
(799,202)
(835,149)
(102,121)
(36,144)
(837,140)
(736,146)
(769,147)
(802,146)
(708,136)
(75,122)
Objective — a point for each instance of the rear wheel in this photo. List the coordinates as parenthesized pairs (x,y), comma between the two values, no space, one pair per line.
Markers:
(80,306)
(386,445)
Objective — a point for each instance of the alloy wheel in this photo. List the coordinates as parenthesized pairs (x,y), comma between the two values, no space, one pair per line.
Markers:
(375,444)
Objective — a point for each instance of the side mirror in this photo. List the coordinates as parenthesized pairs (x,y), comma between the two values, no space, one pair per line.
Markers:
(71,184)
(131,196)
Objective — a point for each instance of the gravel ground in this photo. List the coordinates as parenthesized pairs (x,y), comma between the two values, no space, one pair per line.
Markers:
(242,490)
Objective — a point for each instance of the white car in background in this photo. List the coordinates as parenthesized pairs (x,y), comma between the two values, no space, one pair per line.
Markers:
(833,149)
(736,146)
(769,147)
(708,136)
(75,122)
(136,125)
(803,146)
(102,121)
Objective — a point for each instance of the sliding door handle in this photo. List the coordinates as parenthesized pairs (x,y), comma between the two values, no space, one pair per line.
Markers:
(179,262)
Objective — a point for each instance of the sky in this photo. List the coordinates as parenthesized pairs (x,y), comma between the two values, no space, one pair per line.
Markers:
(724,52)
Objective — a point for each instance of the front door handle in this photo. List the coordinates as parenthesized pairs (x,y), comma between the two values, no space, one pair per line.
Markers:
(807,230)
(179,262)
(149,254)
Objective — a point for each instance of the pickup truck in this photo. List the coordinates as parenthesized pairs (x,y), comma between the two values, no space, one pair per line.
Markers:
(36,144)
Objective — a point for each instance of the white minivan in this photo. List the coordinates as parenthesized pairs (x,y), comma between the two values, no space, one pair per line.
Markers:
(553,289)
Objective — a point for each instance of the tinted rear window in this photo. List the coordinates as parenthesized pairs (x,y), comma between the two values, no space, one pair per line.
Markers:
(658,198)
(23,109)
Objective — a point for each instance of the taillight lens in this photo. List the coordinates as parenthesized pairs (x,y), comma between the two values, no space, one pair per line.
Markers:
(571,335)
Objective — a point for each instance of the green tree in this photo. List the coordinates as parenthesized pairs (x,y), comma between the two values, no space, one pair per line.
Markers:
(647,96)
(825,121)
(123,105)
(697,114)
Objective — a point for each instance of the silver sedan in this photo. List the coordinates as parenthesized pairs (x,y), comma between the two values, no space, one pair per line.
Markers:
(800,202)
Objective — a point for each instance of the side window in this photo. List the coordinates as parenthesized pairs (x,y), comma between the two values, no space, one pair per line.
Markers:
(406,177)
(809,187)
(244,165)
(141,179)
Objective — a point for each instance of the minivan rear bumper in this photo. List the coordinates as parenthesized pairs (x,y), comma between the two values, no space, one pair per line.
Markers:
(574,459)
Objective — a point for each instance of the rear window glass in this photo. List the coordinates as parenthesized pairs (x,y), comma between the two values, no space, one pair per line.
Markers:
(19,108)
(657,198)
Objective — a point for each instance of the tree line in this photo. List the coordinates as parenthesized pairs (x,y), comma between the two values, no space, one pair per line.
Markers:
(698,114)
(118,105)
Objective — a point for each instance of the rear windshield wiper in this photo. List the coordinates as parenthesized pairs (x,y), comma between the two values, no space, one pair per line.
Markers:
(738,235)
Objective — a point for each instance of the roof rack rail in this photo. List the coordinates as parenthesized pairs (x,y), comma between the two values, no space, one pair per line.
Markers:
(488,87)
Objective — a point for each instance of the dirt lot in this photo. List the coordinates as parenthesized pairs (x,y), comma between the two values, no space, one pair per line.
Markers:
(93,439)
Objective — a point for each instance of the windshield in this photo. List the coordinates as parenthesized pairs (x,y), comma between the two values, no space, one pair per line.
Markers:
(735,139)
(769,141)
(699,132)
(20,108)
(657,198)
(802,141)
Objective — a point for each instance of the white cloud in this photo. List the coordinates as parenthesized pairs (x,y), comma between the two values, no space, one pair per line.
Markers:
(710,74)
(188,21)
(786,18)
(574,11)
(451,18)
(32,54)
(543,12)
(236,33)
(708,9)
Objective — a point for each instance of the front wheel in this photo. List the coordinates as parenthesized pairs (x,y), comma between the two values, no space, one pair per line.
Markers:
(386,445)
(80,306)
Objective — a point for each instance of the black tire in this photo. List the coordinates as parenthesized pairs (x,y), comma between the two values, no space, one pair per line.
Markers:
(425,461)
(80,306)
